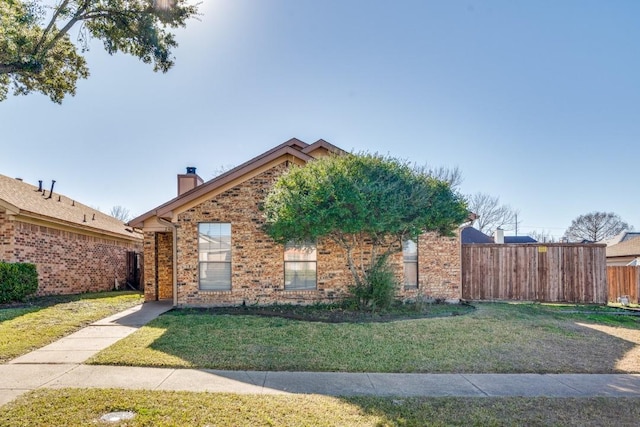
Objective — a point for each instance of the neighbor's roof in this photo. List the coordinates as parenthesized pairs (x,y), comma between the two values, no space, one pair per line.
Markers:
(473,235)
(626,248)
(630,235)
(623,236)
(20,198)
(519,239)
(293,147)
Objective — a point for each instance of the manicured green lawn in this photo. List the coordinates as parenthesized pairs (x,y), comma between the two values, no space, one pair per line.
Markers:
(495,338)
(77,407)
(44,320)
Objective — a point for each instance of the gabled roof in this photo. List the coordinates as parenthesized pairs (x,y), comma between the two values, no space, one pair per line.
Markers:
(26,200)
(630,235)
(627,248)
(294,148)
(473,235)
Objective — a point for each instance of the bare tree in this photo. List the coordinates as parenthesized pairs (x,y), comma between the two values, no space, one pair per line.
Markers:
(595,227)
(491,214)
(120,213)
(451,176)
(543,236)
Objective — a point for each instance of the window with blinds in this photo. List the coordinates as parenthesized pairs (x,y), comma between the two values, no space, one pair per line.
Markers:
(214,256)
(300,262)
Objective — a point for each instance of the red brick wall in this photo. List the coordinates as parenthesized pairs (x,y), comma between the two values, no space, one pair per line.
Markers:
(165,265)
(68,262)
(258,265)
(150,266)
(440,266)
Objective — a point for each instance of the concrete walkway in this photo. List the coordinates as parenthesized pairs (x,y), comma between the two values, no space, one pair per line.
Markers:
(61,365)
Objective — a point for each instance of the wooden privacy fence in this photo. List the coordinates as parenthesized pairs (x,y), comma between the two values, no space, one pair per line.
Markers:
(624,281)
(554,272)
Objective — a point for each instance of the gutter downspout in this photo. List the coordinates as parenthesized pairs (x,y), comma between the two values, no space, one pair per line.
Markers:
(175,258)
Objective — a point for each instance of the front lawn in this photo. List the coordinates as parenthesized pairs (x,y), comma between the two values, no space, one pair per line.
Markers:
(41,321)
(77,407)
(494,338)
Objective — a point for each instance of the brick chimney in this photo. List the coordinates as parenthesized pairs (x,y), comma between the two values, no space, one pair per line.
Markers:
(188,181)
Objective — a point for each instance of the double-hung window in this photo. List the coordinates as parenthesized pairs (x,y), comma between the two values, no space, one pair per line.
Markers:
(300,260)
(410,260)
(214,256)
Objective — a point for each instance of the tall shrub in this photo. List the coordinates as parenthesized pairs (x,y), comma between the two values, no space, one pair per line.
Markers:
(361,201)
(17,281)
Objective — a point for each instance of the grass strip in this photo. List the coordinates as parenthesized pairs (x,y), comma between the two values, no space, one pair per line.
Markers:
(85,407)
(43,320)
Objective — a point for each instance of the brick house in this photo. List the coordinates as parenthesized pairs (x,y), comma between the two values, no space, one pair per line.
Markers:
(75,248)
(206,246)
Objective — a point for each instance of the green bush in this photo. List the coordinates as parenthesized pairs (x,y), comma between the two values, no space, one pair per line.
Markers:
(378,287)
(17,281)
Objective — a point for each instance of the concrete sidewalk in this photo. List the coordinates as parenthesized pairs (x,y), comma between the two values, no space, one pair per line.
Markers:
(60,365)
(81,345)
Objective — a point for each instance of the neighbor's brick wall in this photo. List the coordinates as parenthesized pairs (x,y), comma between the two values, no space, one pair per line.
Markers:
(68,262)
(6,237)
(257,261)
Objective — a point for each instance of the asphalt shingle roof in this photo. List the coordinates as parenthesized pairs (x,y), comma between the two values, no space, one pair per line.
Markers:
(28,200)
(626,248)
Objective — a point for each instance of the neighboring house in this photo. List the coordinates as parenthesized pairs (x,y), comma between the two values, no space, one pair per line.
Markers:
(624,253)
(74,247)
(621,237)
(472,235)
(206,247)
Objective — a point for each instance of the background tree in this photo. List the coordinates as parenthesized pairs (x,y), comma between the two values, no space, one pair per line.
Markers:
(37,54)
(121,213)
(491,214)
(595,227)
(451,176)
(359,201)
(543,236)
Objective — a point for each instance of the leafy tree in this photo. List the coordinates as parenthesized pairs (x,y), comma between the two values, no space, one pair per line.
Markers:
(121,213)
(491,214)
(595,227)
(37,53)
(358,201)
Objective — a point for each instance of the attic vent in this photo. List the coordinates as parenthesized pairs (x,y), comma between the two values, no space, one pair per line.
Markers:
(53,182)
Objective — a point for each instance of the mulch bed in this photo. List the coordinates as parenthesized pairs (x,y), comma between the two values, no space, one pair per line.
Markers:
(332,314)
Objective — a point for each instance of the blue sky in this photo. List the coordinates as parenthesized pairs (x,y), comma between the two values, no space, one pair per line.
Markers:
(536,102)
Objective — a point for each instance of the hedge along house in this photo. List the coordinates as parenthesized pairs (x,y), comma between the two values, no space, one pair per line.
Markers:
(75,248)
(206,247)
